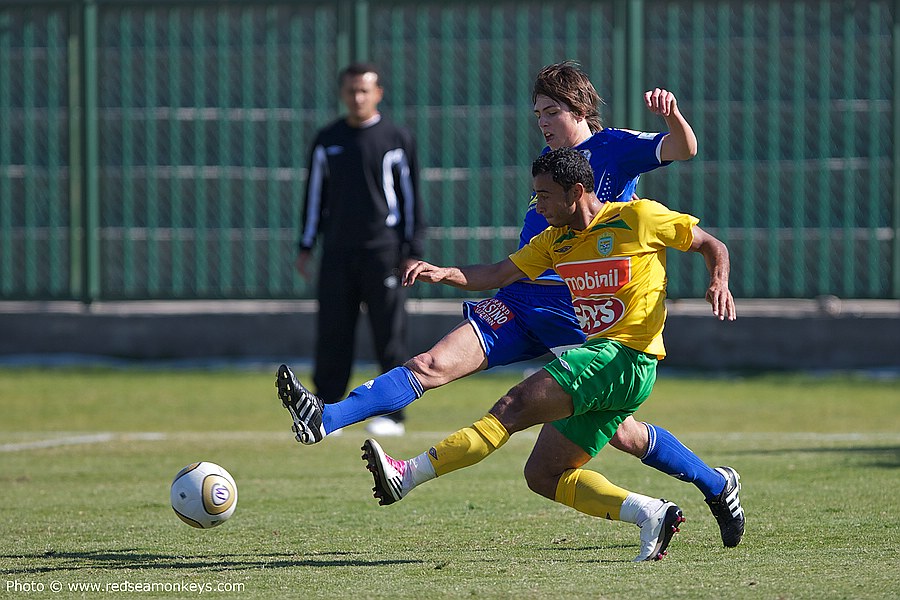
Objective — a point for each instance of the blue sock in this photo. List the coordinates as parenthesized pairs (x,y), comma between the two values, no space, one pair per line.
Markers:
(673,458)
(380,396)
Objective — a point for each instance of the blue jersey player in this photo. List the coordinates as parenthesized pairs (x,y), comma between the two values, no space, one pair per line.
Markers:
(526,319)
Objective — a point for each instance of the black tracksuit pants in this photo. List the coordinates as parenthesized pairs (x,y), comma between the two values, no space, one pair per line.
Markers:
(347,279)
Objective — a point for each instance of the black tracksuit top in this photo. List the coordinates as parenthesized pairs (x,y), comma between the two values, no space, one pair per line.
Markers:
(363,189)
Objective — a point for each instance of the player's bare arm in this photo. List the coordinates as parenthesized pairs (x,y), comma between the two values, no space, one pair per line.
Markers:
(680,143)
(474,278)
(715,253)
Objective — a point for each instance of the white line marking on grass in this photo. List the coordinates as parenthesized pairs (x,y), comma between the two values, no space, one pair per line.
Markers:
(77,440)
(52,443)
(357,434)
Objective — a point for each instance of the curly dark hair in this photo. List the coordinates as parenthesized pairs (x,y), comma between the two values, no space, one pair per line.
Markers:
(566,82)
(567,167)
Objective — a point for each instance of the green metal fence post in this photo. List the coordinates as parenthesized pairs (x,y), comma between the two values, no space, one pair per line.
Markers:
(91,206)
(32,220)
(55,93)
(618,86)
(895,93)
(76,143)
(628,64)
(634,57)
(7,282)
(84,270)
(344,34)
(361,35)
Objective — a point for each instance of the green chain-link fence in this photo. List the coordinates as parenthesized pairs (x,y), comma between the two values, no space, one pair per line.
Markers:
(792,103)
(158,149)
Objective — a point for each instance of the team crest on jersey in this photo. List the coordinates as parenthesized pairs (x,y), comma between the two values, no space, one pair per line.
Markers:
(605,245)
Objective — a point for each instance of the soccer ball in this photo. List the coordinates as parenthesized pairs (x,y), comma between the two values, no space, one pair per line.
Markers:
(203,495)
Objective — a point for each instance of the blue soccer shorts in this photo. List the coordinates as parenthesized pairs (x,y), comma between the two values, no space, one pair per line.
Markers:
(524,321)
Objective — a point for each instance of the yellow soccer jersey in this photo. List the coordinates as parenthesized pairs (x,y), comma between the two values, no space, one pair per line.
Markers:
(615,269)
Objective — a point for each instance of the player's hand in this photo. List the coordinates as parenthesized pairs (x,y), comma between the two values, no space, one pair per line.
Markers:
(422,271)
(660,102)
(302,264)
(406,265)
(719,296)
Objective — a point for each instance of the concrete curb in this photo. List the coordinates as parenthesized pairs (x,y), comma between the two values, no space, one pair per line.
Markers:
(826,333)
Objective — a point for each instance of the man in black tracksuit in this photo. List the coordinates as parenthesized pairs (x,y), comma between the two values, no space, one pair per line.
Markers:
(362,196)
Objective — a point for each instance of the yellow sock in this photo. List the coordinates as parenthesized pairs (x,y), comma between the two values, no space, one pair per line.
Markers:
(591,493)
(468,446)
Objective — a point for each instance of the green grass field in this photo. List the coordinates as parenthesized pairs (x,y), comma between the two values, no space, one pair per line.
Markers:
(87,456)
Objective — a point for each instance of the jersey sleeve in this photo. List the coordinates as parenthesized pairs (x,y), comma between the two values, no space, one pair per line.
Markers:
(314,202)
(661,227)
(534,257)
(638,152)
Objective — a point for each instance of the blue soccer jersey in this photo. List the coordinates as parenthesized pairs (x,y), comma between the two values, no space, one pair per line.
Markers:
(617,157)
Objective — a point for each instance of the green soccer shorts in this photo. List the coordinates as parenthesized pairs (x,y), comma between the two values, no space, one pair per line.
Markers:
(607,382)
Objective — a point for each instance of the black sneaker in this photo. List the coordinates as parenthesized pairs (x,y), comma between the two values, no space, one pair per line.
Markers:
(727,509)
(304,406)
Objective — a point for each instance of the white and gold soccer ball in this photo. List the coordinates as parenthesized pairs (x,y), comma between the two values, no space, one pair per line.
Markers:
(204,495)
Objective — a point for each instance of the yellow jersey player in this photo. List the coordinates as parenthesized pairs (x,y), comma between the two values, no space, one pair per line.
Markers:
(612,258)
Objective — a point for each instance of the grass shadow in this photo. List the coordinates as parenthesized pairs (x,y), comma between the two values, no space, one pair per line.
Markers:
(132,559)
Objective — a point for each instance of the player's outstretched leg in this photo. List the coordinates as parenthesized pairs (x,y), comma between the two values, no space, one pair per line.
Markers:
(727,509)
(394,478)
(657,531)
(304,406)
(388,473)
